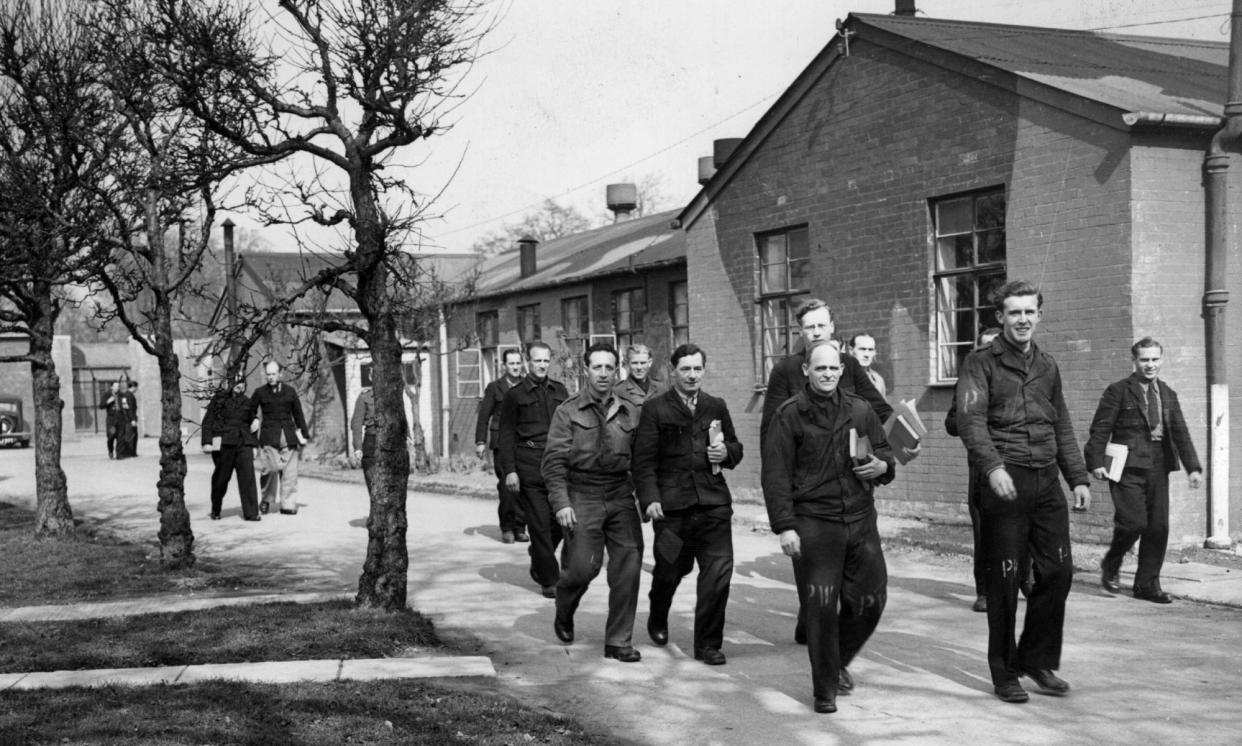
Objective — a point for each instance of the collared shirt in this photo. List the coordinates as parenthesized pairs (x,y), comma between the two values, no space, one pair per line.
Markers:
(690,401)
(1152,388)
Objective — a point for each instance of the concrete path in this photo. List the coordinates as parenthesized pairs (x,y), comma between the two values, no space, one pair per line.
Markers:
(1141,672)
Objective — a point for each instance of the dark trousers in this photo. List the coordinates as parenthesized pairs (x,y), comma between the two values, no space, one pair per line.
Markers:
(545,532)
(1141,512)
(1032,527)
(845,588)
(237,460)
(703,534)
(368,459)
(509,512)
(974,492)
(607,520)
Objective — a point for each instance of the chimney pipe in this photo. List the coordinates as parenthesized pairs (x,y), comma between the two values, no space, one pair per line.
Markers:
(526,255)
(622,200)
(707,169)
(723,148)
(905,8)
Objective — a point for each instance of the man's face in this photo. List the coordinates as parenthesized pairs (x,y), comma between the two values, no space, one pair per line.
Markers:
(540,360)
(272,372)
(513,366)
(1018,319)
(640,365)
(864,350)
(601,373)
(688,375)
(239,386)
(823,369)
(817,325)
(1148,361)
(115,387)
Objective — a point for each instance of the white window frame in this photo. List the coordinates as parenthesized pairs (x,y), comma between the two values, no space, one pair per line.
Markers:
(470,379)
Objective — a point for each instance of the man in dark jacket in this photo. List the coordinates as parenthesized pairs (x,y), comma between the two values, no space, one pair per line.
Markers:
(486,429)
(525,415)
(1142,413)
(820,502)
(684,438)
(640,385)
(1018,434)
(282,433)
(226,436)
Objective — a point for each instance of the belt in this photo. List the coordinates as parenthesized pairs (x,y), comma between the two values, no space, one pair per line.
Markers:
(531,444)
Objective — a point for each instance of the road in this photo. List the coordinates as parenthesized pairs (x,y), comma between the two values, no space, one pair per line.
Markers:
(1141,673)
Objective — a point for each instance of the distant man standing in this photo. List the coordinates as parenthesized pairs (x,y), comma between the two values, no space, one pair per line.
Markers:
(862,348)
(486,432)
(227,437)
(820,501)
(525,416)
(587,469)
(1017,431)
(282,433)
(685,436)
(114,416)
(640,386)
(1142,413)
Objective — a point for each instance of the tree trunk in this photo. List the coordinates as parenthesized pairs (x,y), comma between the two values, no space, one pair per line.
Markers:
(53,516)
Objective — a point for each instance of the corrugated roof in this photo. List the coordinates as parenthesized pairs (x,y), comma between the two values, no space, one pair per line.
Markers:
(634,244)
(1131,73)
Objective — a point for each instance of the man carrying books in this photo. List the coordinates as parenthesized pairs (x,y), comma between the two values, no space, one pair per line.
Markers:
(1140,413)
(823,456)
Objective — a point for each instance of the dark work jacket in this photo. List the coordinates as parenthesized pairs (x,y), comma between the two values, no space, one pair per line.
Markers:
(807,470)
(282,413)
(487,425)
(1122,418)
(670,453)
(228,418)
(588,446)
(525,416)
(787,379)
(1009,412)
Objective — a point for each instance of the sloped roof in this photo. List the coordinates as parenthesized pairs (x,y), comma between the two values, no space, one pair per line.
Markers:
(639,243)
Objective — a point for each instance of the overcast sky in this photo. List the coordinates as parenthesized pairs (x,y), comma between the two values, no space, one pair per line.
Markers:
(577,94)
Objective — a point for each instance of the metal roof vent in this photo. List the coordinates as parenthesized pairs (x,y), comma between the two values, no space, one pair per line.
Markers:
(905,8)
(707,169)
(526,255)
(723,148)
(622,200)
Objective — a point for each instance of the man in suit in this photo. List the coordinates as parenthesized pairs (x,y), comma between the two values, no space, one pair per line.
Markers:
(862,349)
(227,420)
(486,428)
(1142,413)
(639,386)
(525,416)
(276,415)
(685,436)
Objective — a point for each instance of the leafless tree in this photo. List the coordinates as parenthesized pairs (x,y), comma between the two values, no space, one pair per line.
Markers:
(551,220)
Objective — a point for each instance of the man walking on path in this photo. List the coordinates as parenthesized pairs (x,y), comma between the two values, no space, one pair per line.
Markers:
(639,386)
(820,501)
(525,415)
(486,432)
(227,437)
(587,469)
(282,433)
(685,436)
(1017,430)
(1142,413)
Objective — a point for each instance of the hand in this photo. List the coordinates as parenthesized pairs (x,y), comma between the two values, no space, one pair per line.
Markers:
(1082,498)
(480,449)
(358,453)
(873,469)
(511,482)
(655,512)
(1002,484)
(301,436)
(254,426)
(1100,473)
(206,448)
(1196,479)
(791,543)
(912,452)
(566,517)
(716,453)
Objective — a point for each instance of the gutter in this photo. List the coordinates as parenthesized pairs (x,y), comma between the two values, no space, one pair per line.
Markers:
(1162,119)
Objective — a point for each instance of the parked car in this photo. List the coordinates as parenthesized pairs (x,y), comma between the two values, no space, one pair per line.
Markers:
(14,429)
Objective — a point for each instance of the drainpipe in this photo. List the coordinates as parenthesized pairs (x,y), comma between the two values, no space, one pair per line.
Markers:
(1215,296)
(446,410)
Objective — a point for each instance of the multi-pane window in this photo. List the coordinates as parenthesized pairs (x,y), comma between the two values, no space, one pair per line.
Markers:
(576,328)
(784,282)
(528,327)
(969,234)
(679,312)
(628,309)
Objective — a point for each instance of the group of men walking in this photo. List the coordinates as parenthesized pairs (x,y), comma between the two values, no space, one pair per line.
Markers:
(578,465)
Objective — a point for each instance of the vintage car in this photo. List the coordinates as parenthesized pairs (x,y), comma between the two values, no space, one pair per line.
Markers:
(14,429)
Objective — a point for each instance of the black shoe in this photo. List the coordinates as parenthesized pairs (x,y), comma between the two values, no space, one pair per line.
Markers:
(549,591)
(1047,681)
(288,512)
(252,518)
(800,633)
(845,682)
(506,537)
(710,656)
(1109,580)
(623,653)
(1155,595)
(264,507)
(564,629)
(521,537)
(215,516)
(657,632)
(825,706)
(1012,693)
(980,604)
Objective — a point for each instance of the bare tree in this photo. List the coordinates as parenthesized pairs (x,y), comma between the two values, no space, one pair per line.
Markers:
(551,220)
(57,139)
(342,86)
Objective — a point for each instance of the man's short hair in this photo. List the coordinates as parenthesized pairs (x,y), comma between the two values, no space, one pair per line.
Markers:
(854,339)
(1143,343)
(1014,288)
(814,304)
(504,358)
(537,345)
(812,347)
(600,347)
(639,349)
(687,350)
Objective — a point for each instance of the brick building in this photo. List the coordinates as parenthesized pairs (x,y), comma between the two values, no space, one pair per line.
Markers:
(914,165)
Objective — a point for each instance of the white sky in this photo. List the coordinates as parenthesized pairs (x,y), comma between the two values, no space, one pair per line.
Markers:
(577,94)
